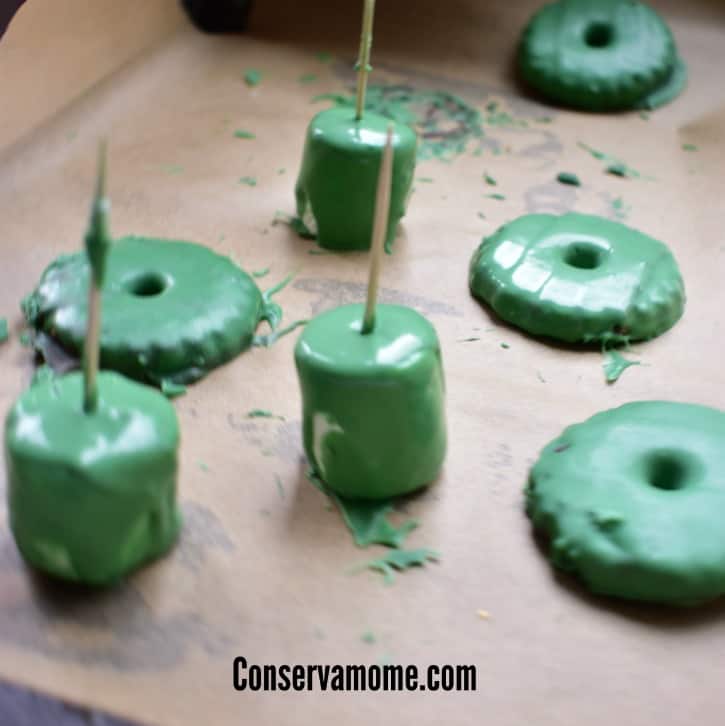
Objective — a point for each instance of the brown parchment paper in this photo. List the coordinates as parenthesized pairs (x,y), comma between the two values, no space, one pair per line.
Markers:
(262,572)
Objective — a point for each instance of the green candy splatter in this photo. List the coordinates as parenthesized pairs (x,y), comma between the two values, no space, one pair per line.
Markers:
(4,334)
(620,208)
(323,56)
(242,134)
(249,181)
(307,78)
(368,637)
(689,147)
(614,165)
(489,179)
(265,341)
(500,197)
(280,486)
(252,77)
(567,177)
(398,561)
(260,273)
(615,364)
(172,169)
(262,413)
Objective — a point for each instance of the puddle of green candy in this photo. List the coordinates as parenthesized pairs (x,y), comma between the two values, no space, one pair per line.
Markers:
(368,523)
(4,334)
(615,364)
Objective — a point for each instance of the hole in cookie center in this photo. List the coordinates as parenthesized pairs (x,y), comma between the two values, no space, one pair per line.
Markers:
(583,256)
(147,284)
(599,35)
(667,470)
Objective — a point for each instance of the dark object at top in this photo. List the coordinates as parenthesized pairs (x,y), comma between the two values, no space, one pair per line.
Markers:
(218,16)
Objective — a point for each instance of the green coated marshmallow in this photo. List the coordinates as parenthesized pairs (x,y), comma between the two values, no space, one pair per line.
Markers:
(601,55)
(337,183)
(632,501)
(172,310)
(578,278)
(373,405)
(92,496)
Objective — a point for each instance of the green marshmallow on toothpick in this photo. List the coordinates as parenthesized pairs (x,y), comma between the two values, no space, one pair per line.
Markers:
(373,388)
(91,458)
(335,190)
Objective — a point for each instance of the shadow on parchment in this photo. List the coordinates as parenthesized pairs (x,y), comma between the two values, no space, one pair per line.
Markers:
(113,627)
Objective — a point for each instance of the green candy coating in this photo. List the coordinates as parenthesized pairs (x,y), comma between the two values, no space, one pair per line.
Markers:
(632,501)
(373,405)
(172,310)
(578,278)
(339,176)
(92,496)
(670,89)
(598,54)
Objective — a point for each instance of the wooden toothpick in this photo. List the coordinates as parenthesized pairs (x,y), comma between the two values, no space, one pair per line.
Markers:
(363,61)
(97,241)
(380,230)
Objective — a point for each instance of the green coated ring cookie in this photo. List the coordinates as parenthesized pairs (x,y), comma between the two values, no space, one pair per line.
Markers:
(597,54)
(632,501)
(578,278)
(172,310)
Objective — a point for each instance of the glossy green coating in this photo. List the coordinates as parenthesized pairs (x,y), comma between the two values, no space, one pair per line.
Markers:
(669,90)
(633,500)
(578,278)
(337,183)
(92,496)
(597,55)
(171,310)
(373,405)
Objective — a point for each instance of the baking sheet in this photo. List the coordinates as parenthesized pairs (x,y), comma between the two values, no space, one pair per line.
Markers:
(263,572)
